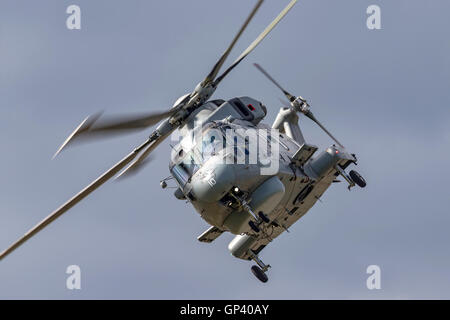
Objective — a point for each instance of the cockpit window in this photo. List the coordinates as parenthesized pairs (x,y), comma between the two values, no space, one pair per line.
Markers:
(213,141)
(190,163)
(186,168)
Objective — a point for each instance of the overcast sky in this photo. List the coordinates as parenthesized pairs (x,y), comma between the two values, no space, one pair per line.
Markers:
(383,93)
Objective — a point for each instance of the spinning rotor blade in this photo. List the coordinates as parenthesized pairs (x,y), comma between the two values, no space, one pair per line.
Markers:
(313,118)
(75,199)
(294,106)
(255,43)
(94,127)
(211,76)
(134,168)
(290,97)
(202,95)
(141,161)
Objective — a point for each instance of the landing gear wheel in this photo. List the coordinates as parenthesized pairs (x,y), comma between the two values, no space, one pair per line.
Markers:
(263,217)
(257,271)
(357,178)
(253,226)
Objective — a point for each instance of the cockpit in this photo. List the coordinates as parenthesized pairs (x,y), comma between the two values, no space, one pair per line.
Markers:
(214,139)
(195,150)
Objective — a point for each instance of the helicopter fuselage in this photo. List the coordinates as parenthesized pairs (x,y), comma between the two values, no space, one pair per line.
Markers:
(229,193)
(240,175)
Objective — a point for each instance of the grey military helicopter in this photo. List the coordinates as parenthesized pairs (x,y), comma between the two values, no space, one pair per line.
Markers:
(229,195)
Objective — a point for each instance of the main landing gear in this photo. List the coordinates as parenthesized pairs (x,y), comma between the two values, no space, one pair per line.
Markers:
(258,219)
(260,270)
(357,178)
(353,178)
(261,218)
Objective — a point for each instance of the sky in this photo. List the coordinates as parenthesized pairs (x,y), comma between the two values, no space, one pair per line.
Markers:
(383,93)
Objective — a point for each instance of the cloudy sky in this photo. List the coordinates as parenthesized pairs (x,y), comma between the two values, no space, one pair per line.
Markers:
(383,93)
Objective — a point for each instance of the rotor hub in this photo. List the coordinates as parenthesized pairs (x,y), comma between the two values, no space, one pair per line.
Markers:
(204,91)
(301,105)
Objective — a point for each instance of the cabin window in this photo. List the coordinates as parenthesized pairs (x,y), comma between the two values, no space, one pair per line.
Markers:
(180,175)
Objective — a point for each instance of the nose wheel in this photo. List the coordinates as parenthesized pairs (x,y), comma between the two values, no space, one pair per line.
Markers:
(263,217)
(259,219)
(254,226)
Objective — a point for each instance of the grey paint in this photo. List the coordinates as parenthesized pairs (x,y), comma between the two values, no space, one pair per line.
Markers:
(383,93)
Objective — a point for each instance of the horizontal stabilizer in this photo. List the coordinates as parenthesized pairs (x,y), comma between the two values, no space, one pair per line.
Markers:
(210,235)
(303,154)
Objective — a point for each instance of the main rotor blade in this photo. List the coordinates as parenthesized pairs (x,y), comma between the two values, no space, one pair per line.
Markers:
(142,160)
(313,118)
(211,76)
(290,97)
(256,42)
(133,169)
(96,127)
(75,199)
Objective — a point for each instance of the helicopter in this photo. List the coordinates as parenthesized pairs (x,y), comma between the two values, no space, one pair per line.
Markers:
(242,176)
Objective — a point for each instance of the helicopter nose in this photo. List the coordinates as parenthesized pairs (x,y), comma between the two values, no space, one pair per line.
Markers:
(210,184)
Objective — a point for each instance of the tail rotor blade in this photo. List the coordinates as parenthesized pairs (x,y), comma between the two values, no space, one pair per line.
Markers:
(313,118)
(290,97)
(302,106)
